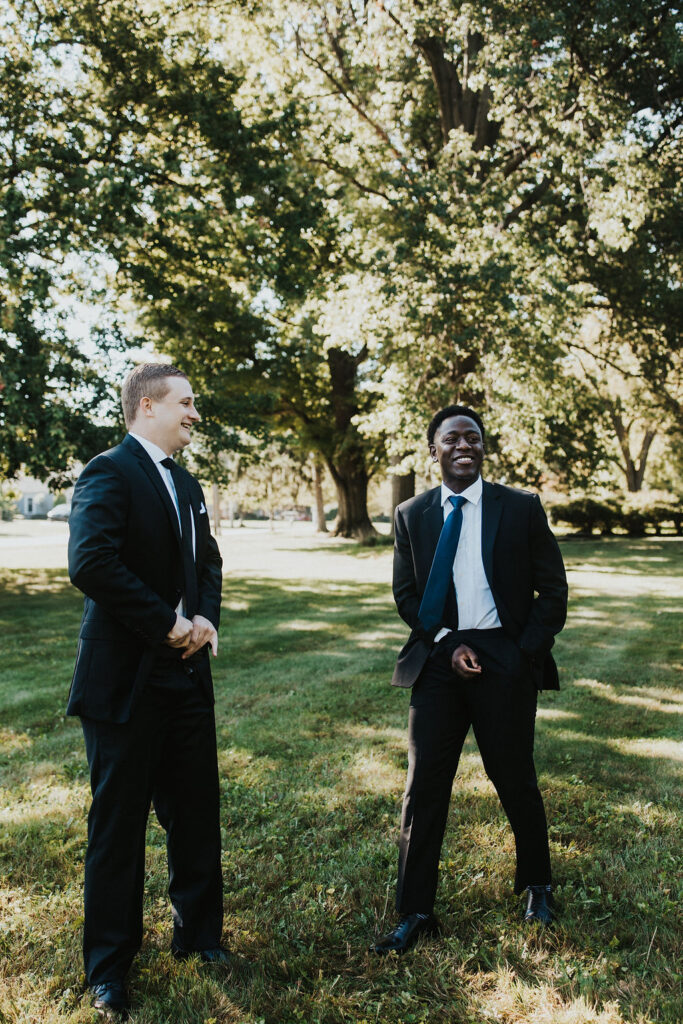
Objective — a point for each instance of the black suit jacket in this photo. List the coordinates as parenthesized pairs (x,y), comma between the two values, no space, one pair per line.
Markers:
(124,554)
(523,566)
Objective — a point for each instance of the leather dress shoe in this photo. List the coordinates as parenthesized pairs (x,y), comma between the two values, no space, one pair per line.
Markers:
(406,934)
(111,999)
(217,955)
(539,904)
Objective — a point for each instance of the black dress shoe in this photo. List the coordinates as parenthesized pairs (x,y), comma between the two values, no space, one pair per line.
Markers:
(217,955)
(111,999)
(406,933)
(539,904)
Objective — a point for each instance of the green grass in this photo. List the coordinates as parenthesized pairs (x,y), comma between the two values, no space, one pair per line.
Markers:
(312,751)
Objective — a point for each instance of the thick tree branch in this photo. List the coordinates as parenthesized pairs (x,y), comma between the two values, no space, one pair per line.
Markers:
(345,173)
(459,106)
(529,200)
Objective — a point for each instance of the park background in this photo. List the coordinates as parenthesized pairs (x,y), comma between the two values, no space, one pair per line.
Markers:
(337,217)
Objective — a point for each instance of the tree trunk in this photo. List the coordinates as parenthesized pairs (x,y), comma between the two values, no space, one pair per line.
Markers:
(318,503)
(459,105)
(216,499)
(402,488)
(271,507)
(634,471)
(347,458)
(351,482)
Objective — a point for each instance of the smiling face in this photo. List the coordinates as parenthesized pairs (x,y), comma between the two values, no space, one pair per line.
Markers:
(459,449)
(168,421)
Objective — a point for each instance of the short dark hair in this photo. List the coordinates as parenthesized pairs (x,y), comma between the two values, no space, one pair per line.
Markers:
(445,414)
(146,379)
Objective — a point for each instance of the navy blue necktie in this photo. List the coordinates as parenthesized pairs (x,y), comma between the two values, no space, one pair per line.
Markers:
(441,572)
(191,593)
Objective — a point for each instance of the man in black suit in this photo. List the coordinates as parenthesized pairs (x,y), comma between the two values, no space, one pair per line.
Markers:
(141,550)
(479,578)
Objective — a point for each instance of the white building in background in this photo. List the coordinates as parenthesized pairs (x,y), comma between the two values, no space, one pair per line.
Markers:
(36,500)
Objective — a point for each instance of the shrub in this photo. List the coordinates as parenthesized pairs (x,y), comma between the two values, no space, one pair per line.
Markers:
(587,515)
(661,515)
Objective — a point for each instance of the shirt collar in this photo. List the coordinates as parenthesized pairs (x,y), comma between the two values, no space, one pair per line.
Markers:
(155,453)
(471,493)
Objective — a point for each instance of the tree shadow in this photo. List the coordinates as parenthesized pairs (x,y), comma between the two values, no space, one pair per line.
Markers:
(312,753)
(642,556)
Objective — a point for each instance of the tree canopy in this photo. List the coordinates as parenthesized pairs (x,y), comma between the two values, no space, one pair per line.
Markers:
(337,216)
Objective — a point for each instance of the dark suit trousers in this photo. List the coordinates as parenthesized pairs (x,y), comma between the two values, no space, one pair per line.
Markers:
(500,705)
(165,754)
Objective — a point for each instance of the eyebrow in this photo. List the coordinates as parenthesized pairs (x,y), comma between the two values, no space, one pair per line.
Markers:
(468,433)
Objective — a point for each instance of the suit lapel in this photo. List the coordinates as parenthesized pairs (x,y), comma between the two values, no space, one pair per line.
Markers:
(432,522)
(492,508)
(155,479)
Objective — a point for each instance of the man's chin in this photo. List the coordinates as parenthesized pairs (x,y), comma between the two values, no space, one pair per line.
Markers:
(462,478)
(178,446)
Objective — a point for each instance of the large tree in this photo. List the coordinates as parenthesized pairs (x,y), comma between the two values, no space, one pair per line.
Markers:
(186,187)
(362,210)
(476,146)
(52,395)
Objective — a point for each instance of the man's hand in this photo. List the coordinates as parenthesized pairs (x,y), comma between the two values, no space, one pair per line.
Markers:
(203,632)
(465,662)
(179,636)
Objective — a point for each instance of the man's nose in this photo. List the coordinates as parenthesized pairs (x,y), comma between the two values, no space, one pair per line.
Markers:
(194,414)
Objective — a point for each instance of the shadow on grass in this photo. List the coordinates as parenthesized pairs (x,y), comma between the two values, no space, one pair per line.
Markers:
(302,685)
(644,556)
(369,548)
(312,752)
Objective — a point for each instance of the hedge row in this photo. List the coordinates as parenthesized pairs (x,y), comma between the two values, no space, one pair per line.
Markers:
(607,515)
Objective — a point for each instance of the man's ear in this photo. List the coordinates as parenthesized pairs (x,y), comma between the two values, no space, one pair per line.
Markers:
(432,451)
(146,405)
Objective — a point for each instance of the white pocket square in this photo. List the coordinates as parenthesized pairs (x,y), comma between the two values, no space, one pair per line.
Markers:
(202,509)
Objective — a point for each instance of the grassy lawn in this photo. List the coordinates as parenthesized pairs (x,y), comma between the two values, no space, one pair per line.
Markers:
(312,749)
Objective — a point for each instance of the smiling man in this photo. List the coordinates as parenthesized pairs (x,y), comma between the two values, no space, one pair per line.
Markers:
(141,551)
(479,578)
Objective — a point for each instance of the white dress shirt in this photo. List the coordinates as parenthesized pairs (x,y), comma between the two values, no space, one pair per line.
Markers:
(476,607)
(157,454)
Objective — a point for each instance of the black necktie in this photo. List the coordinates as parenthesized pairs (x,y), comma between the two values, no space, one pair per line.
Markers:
(191,591)
(441,572)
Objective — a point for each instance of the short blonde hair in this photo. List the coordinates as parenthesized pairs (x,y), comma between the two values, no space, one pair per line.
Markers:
(146,380)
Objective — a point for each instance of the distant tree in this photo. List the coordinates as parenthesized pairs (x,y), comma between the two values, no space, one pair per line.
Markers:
(52,396)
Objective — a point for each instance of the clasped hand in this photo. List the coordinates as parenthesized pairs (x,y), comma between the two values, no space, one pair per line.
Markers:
(465,662)
(192,635)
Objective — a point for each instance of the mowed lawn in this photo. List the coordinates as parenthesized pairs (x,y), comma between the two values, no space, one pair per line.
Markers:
(312,749)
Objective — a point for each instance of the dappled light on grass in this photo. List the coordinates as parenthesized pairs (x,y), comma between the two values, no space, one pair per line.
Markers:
(517,1002)
(666,750)
(312,756)
(556,714)
(20,582)
(666,701)
(371,773)
(252,770)
(11,741)
(41,800)
(654,556)
(369,734)
(304,625)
